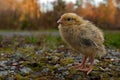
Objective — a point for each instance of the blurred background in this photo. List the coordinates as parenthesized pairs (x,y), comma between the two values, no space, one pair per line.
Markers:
(43,14)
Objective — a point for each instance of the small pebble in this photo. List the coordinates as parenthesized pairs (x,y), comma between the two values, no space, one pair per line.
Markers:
(65,73)
(15,64)
(25,70)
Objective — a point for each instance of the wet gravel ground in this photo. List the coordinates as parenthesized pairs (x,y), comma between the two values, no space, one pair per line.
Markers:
(22,60)
(56,65)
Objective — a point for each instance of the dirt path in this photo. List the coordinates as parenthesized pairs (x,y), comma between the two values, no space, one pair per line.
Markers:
(26,33)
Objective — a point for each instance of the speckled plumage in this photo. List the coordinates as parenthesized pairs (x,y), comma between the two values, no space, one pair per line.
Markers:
(81,35)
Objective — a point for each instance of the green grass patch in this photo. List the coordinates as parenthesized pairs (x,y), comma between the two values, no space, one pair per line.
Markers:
(53,41)
(112,39)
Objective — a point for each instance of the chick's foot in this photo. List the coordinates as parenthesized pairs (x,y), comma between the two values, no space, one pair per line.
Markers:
(88,70)
(80,66)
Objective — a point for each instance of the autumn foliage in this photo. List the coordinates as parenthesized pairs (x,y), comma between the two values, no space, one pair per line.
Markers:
(28,15)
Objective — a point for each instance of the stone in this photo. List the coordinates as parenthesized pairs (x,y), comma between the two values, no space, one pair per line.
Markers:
(25,70)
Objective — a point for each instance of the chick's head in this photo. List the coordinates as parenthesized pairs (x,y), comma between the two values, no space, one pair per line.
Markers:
(69,19)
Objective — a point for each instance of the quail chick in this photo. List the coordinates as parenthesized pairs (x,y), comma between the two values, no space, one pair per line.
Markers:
(82,36)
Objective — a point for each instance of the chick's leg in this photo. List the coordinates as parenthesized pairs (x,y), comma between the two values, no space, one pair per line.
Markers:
(89,69)
(82,65)
(91,65)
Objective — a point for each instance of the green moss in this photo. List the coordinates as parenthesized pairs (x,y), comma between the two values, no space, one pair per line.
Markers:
(105,75)
(50,67)
(2,78)
(36,66)
(66,61)
(96,68)
(60,55)
(20,77)
(73,71)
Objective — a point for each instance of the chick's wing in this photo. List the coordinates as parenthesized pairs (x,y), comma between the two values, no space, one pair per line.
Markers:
(89,35)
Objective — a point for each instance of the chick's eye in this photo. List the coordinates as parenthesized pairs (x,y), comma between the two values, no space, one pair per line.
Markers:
(68,19)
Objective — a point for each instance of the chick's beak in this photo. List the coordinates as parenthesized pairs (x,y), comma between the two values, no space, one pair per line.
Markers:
(59,21)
